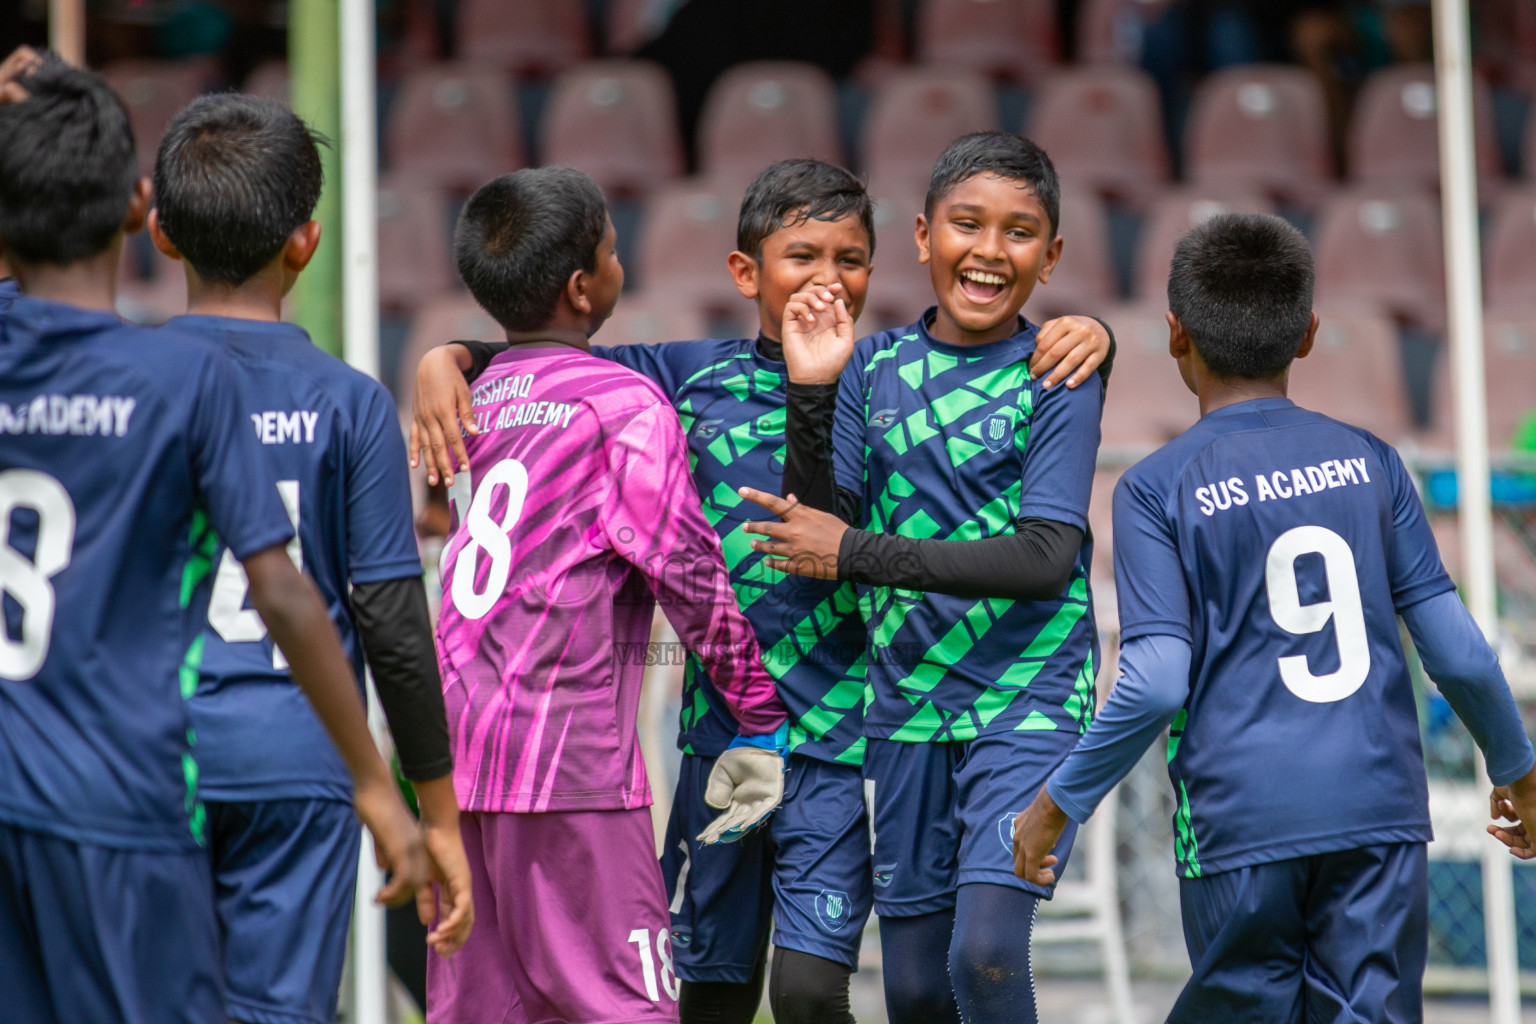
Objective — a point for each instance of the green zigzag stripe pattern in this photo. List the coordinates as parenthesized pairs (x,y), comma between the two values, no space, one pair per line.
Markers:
(204,546)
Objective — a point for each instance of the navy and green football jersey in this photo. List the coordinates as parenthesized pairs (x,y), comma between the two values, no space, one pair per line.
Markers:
(959,443)
(330,437)
(1278,544)
(730,399)
(120,453)
(8,293)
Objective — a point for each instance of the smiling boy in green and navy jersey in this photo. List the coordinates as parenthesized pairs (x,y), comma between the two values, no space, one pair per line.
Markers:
(802,222)
(970,478)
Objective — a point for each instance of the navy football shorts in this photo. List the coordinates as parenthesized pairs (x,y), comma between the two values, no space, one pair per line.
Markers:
(806,872)
(92,933)
(943,815)
(285,872)
(1331,937)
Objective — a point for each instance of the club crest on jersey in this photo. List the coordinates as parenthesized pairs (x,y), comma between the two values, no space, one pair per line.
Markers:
(997,431)
(832,909)
(883,874)
(1005,831)
(707,428)
(883,418)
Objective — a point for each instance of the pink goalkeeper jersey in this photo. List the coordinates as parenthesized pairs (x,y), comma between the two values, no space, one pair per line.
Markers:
(580,514)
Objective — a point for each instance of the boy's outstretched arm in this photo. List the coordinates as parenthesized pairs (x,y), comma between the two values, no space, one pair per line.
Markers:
(1069,348)
(1457,657)
(448,908)
(1152,688)
(296,618)
(440,403)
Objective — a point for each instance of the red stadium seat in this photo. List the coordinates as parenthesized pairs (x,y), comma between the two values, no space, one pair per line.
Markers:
(415,254)
(454,124)
(1355,344)
(1166,223)
(899,286)
(153,91)
(688,231)
(1509,365)
(615,120)
(1084,279)
(523,37)
(914,116)
(1148,404)
(761,112)
(1510,278)
(1014,39)
(455,318)
(632,24)
(1111,31)
(1262,128)
(1394,140)
(644,318)
(1103,128)
(269,80)
(1382,247)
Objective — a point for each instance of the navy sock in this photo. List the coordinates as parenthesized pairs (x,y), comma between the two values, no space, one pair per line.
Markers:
(989,954)
(912,953)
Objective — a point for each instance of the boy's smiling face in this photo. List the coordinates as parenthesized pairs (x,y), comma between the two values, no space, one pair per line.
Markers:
(812,252)
(987,244)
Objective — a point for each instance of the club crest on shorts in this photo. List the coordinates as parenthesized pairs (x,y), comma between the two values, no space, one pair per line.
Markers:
(884,873)
(1005,831)
(997,431)
(832,909)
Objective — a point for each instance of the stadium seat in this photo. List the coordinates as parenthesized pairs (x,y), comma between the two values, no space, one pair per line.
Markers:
(415,254)
(1262,128)
(617,121)
(1103,127)
(1528,152)
(1165,224)
(269,80)
(524,38)
(454,318)
(1382,247)
(1084,279)
(454,124)
(689,228)
(1354,345)
(1393,138)
(1509,364)
(1012,39)
(633,23)
(914,116)
(153,91)
(1148,404)
(1111,31)
(765,111)
(1510,276)
(644,318)
(899,287)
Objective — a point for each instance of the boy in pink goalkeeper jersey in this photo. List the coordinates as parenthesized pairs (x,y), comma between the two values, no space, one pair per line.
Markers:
(578,514)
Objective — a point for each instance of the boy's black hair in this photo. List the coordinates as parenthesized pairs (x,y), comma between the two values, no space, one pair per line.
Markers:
(1002,154)
(234,176)
(522,236)
(1241,284)
(792,192)
(67,166)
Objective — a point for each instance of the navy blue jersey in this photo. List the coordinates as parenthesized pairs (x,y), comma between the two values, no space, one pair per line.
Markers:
(119,450)
(730,399)
(960,443)
(8,293)
(330,437)
(1279,544)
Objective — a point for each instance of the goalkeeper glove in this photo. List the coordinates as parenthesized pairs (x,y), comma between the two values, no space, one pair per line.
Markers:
(746,783)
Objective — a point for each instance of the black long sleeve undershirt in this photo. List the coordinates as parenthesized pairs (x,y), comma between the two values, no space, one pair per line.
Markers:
(396,631)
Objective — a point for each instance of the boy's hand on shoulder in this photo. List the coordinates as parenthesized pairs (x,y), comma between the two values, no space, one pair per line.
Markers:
(1036,831)
(441,402)
(1069,348)
(818,334)
(805,541)
(19,62)
(397,842)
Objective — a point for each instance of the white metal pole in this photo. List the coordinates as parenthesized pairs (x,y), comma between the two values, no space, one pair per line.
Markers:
(1464,294)
(66,30)
(360,341)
